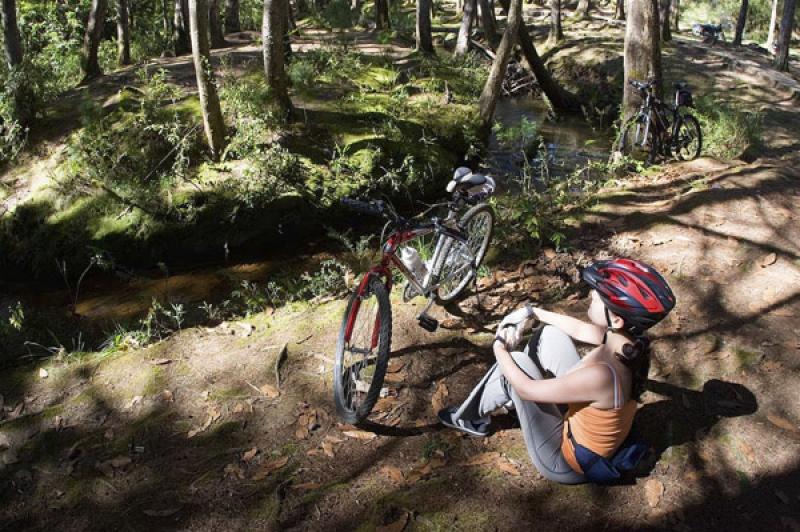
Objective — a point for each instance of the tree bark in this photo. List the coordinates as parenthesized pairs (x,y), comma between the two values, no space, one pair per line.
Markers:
(382,21)
(462,43)
(273,33)
(785,36)
(488,22)
(559,98)
(642,51)
(91,39)
(556,32)
(424,39)
(663,17)
(215,25)
(123,33)
(740,22)
(676,14)
(180,36)
(772,20)
(207,91)
(619,10)
(491,91)
(167,23)
(582,11)
(23,97)
(232,21)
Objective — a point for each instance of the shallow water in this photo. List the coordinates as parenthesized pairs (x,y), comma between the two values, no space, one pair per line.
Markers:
(570,142)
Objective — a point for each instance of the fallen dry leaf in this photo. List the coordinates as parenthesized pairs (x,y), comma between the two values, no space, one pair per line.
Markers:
(327,448)
(249,455)
(120,462)
(238,408)
(747,451)
(782,422)
(508,467)
(483,458)
(439,397)
(301,429)
(333,439)
(396,526)
(360,434)
(306,486)
(395,365)
(768,260)
(653,490)
(234,470)
(270,391)
(269,467)
(386,404)
(393,473)
(160,361)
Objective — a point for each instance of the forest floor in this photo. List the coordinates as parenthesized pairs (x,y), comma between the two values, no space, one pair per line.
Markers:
(201,432)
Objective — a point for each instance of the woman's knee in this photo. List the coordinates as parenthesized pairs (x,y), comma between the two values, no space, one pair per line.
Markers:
(555,350)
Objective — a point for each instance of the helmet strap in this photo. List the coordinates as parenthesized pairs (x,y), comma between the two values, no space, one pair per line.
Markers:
(608,322)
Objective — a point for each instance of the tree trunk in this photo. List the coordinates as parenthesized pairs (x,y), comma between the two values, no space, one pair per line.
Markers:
(424,39)
(232,22)
(663,17)
(785,37)
(488,23)
(619,10)
(582,11)
(167,23)
(207,91)
(382,15)
(556,33)
(123,33)
(273,34)
(740,22)
(215,25)
(559,99)
(642,51)
(91,39)
(491,91)
(180,36)
(676,14)
(772,20)
(23,97)
(462,44)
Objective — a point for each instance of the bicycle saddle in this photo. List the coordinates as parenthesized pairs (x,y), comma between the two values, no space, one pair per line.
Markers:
(464,178)
(680,85)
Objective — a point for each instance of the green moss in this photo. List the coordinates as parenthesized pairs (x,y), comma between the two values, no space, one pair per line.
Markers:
(746,358)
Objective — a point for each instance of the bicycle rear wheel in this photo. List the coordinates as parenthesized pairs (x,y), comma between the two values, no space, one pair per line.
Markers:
(633,144)
(362,352)
(458,261)
(688,142)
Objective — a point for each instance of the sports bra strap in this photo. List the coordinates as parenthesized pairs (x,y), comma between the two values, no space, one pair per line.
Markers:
(617,387)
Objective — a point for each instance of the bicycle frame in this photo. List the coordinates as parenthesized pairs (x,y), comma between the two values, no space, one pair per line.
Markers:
(389,258)
(653,111)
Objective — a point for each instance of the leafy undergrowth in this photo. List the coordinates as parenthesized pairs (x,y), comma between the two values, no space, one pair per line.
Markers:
(135,186)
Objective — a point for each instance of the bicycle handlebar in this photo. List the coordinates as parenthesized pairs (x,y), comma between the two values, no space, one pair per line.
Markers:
(373,208)
(641,85)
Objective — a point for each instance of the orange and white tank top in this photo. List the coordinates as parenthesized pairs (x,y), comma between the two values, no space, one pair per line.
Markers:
(601,431)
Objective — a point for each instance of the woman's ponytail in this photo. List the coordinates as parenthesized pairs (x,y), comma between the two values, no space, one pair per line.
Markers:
(636,356)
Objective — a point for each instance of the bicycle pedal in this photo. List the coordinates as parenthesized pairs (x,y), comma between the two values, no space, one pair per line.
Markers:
(428,323)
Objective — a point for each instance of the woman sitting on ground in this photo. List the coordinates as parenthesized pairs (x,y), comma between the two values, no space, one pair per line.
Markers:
(575,415)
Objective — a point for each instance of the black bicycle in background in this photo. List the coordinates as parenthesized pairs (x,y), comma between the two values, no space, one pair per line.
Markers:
(660,129)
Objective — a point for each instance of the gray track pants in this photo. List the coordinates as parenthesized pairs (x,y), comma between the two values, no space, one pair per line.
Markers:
(549,353)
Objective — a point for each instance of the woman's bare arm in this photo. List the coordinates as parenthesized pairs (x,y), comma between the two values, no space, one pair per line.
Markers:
(579,330)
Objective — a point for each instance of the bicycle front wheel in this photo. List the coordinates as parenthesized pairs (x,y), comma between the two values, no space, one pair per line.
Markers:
(458,261)
(362,352)
(688,142)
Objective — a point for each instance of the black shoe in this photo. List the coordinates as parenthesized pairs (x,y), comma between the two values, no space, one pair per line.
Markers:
(480,429)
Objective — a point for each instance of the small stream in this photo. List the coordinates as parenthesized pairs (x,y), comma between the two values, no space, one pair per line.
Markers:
(570,141)
(105,299)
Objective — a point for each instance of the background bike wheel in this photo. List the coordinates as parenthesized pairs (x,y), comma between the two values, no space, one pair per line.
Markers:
(632,143)
(361,361)
(478,225)
(689,143)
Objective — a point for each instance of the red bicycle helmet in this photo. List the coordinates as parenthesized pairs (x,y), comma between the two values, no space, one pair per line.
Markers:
(631,289)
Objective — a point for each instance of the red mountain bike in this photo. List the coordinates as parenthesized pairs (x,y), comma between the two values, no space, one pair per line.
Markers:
(365,336)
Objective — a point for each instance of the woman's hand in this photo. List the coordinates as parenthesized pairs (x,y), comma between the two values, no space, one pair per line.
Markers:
(521,319)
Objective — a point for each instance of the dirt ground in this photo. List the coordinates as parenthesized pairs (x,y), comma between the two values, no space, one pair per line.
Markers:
(201,431)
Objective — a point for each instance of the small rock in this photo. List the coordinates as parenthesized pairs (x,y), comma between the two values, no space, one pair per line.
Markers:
(43,374)
(10,457)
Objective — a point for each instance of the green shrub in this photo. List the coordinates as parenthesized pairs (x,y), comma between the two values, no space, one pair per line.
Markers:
(727,131)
